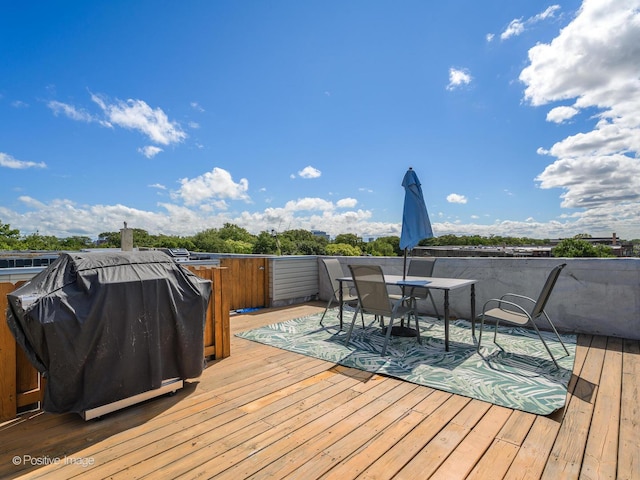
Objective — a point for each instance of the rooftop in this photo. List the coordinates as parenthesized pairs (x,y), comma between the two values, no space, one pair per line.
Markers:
(268,413)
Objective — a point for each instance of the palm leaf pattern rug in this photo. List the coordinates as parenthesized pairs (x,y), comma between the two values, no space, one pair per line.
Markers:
(515,372)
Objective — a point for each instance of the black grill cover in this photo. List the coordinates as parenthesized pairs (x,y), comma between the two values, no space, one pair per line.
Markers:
(105,326)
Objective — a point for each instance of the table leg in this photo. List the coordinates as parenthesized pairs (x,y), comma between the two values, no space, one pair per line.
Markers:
(340,297)
(446,320)
(473,310)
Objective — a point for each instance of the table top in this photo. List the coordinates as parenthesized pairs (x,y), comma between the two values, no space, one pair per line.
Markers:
(438,283)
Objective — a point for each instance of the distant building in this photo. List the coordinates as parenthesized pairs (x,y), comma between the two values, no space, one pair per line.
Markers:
(619,248)
(26,258)
(481,251)
(320,233)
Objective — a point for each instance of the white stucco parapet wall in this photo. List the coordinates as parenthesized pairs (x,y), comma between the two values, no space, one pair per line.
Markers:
(597,296)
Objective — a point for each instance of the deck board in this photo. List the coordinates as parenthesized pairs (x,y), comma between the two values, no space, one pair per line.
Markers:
(629,445)
(268,413)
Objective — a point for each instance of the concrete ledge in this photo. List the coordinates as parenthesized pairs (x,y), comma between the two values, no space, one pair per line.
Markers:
(599,296)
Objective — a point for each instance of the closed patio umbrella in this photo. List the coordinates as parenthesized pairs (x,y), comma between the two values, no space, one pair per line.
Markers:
(415,219)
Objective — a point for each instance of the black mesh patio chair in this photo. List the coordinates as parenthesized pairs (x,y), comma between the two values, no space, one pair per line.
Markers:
(334,271)
(512,312)
(422,267)
(373,298)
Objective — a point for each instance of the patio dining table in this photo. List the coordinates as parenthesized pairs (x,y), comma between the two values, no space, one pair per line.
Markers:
(434,283)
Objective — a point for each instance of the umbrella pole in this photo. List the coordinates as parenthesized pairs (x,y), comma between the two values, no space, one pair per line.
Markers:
(403,331)
(404,265)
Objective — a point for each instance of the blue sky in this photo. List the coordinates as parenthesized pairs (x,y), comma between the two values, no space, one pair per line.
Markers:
(520,118)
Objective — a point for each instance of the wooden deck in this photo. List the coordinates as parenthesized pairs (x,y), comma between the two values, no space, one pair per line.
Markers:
(267,413)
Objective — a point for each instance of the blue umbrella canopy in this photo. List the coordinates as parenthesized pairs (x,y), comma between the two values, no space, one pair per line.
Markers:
(415,219)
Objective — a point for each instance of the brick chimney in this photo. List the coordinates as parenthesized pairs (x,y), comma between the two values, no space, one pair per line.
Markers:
(614,239)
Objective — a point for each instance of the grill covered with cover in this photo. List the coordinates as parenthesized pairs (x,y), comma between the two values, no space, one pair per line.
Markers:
(102,327)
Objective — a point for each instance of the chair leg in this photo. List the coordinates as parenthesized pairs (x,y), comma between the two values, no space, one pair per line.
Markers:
(325,310)
(387,337)
(556,332)
(353,321)
(545,345)
(480,334)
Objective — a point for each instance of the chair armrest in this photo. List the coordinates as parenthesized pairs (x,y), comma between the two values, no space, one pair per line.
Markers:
(500,302)
(399,302)
(506,295)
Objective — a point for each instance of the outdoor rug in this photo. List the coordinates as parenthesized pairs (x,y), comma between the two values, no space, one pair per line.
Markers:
(516,372)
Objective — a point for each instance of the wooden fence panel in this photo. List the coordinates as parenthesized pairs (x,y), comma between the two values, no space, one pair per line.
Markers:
(8,401)
(217,332)
(247,282)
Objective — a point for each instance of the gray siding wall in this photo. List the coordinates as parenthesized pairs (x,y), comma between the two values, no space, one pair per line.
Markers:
(293,280)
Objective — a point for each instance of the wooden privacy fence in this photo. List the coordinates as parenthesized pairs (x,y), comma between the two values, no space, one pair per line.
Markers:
(21,384)
(247,284)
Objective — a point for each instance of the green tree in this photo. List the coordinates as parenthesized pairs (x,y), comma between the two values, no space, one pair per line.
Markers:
(109,239)
(35,241)
(343,249)
(141,238)
(9,237)
(208,241)
(349,239)
(384,246)
(233,232)
(301,242)
(266,244)
(577,247)
(237,246)
(75,243)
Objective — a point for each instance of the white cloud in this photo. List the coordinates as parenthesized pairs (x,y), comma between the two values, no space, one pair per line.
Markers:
(458,77)
(309,204)
(594,181)
(71,112)
(593,63)
(159,186)
(518,25)
(8,161)
(309,172)
(196,106)
(347,203)
(515,28)
(132,114)
(211,186)
(456,198)
(561,114)
(63,218)
(549,12)
(31,202)
(150,151)
(490,37)
(137,115)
